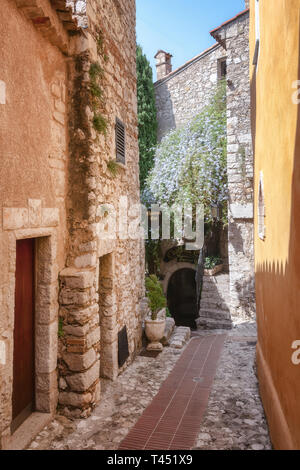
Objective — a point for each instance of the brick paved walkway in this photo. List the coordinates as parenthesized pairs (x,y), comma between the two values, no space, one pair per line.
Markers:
(173,419)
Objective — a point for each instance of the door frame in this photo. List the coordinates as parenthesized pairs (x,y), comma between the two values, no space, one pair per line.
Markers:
(46,314)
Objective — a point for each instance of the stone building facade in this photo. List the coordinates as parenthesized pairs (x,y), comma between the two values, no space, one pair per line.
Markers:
(69,79)
(180,95)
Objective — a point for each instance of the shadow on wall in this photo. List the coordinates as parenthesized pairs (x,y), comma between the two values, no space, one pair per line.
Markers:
(245,291)
(165,112)
(278,318)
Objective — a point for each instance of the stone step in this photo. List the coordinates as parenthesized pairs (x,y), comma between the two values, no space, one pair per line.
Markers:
(210,324)
(216,285)
(219,278)
(213,297)
(216,305)
(180,337)
(214,314)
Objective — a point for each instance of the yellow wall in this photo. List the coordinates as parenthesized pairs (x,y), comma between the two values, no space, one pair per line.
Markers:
(276,137)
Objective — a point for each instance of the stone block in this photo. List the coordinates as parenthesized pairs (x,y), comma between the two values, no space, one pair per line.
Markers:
(82,316)
(76,279)
(241,211)
(46,348)
(50,217)
(76,345)
(35,212)
(78,400)
(80,362)
(14,218)
(93,337)
(73,297)
(83,381)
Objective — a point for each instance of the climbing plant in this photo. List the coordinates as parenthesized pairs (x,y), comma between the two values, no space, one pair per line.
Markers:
(147,120)
(190,162)
(96,73)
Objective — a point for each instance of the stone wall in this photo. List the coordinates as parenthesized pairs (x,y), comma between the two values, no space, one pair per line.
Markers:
(235,36)
(55,177)
(33,181)
(183,93)
(180,96)
(100,273)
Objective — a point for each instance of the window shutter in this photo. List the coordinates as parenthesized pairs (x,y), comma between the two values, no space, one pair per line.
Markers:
(120,141)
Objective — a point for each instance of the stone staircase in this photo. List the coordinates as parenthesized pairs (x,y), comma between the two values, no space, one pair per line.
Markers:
(215,300)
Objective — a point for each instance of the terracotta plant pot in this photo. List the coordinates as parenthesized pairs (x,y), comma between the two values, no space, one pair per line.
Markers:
(212,272)
(155,330)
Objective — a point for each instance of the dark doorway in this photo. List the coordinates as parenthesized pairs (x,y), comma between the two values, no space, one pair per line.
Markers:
(23,365)
(182,298)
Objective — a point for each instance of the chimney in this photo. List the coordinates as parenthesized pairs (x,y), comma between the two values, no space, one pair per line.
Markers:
(163,64)
(247,4)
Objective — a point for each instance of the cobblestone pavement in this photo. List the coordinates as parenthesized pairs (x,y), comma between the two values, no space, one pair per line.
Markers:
(234,418)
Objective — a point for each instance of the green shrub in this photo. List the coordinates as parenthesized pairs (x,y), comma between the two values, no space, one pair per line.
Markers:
(100,123)
(113,167)
(155,294)
(212,261)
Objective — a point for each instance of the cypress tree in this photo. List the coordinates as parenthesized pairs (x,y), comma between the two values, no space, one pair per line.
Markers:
(147,119)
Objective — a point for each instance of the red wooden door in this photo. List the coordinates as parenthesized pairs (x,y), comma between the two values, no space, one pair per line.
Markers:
(23,368)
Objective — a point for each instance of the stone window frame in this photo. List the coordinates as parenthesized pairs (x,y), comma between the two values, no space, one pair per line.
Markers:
(261,208)
(220,62)
(109,368)
(120,138)
(46,313)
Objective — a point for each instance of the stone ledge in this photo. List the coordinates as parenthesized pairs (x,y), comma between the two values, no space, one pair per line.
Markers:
(242,211)
(22,437)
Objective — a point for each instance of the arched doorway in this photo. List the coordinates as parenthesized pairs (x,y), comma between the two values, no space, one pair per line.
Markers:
(182,297)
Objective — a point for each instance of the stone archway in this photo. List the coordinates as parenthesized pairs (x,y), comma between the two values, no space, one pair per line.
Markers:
(182,297)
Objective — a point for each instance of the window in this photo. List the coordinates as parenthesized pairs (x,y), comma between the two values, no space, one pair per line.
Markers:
(261,209)
(120,141)
(222,68)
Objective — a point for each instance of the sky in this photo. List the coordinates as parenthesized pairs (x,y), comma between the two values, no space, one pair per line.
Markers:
(181,27)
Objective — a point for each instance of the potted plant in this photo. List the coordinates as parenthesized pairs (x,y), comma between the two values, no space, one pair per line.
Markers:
(155,324)
(212,265)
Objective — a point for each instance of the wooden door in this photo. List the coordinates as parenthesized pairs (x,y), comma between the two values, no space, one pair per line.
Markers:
(23,366)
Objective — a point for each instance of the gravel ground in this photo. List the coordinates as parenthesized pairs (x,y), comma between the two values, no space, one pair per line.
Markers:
(234,418)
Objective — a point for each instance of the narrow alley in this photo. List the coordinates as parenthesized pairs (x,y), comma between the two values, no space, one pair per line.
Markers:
(233,417)
(149,227)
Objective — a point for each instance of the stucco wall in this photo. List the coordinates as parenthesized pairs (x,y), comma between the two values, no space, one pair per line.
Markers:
(34,158)
(276,135)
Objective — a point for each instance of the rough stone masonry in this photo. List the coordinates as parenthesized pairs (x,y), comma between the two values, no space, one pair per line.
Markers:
(58,170)
(180,95)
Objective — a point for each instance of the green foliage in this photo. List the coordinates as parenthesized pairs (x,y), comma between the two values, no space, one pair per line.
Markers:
(113,167)
(96,71)
(99,123)
(96,75)
(191,162)
(153,256)
(95,90)
(168,315)
(60,328)
(155,294)
(211,262)
(147,120)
